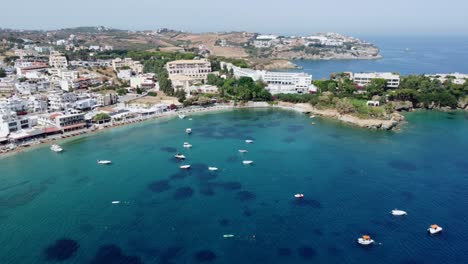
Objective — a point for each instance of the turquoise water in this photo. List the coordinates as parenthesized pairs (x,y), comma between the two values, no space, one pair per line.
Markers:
(406,55)
(351,179)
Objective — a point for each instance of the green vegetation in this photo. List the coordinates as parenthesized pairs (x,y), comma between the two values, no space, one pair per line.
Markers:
(154,94)
(101,117)
(2,73)
(216,62)
(121,91)
(243,89)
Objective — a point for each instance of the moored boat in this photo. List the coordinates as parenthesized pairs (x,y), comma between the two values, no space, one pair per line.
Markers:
(434,229)
(249,141)
(299,195)
(247,162)
(397,212)
(104,162)
(188,131)
(365,240)
(243,151)
(181,116)
(187,145)
(185,167)
(212,168)
(56,148)
(179,156)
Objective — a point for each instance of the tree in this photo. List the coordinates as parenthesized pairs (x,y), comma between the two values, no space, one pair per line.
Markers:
(2,73)
(101,117)
(376,87)
(139,90)
(212,79)
(121,91)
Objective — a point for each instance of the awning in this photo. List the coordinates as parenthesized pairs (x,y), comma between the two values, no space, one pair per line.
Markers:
(51,130)
(23,134)
(3,139)
(75,126)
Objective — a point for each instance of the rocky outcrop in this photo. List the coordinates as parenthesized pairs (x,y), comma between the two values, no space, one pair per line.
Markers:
(463,103)
(403,106)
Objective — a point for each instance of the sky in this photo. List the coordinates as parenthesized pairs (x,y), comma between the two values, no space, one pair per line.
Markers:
(289,17)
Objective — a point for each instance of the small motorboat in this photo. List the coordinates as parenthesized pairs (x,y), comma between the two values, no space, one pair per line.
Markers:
(115,202)
(56,148)
(313,123)
(365,240)
(397,212)
(179,156)
(181,116)
(185,167)
(104,162)
(187,145)
(299,195)
(243,151)
(188,131)
(212,168)
(434,229)
(248,141)
(190,119)
(228,235)
(312,116)
(247,162)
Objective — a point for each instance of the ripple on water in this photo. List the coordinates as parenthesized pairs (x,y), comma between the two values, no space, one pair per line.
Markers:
(306,252)
(159,186)
(61,250)
(284,252)
(402,165)
(168,149)
(246,196)
(183,193)
(112,254)
(205,256)
(307,202)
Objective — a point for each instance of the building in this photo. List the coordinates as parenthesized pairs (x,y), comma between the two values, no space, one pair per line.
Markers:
(7,85)
(363,79)
(57,60)
(455,78)
(277,82)
(143,81)
(194,69)
(209,89)
(265,41)
(109,98)
(61,101)
(14,104)
(10,123)
(135,66)
(64,122)
(85,104)
(32,86)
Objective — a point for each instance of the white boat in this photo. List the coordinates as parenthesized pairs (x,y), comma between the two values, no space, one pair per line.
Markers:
(247,162)
(115,202)
(56,148)
(398,212)
(249,141)
(434,229)
(365,240)
(312,116)
(184,167)
(181,116)
(299,195)
(179,156)
(188,130)
(187,145)
(243,151)
(228,235)
(212,168)
(190,119)
(104,162)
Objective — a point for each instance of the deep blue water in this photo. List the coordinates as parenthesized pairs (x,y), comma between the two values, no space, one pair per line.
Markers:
(57,207)
(406,55)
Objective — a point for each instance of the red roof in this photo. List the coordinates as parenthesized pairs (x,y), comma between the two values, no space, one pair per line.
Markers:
(51,129)
(53,116)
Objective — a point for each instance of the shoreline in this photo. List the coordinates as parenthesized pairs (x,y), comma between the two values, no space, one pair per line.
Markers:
(304,108)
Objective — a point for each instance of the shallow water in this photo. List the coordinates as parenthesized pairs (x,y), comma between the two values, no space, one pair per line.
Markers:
(57,207)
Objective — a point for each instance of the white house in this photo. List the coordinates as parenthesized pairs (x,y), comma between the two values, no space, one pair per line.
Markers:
(57,60)
(363,79)
(194,69)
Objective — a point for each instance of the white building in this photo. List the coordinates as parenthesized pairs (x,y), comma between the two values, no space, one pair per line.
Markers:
(363,79)
(14,104)
(456,78)
(143,81)
(85,104)
(57,60)
(33,86)
(61,101)
(10,123)
(65,122)
(125,74)
(135,66)
(277,82)
(194,69)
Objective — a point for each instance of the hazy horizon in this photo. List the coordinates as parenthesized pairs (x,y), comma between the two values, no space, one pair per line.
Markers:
(297,17)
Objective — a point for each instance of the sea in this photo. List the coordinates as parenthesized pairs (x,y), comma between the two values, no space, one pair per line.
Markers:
(65,208)
(404,55)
